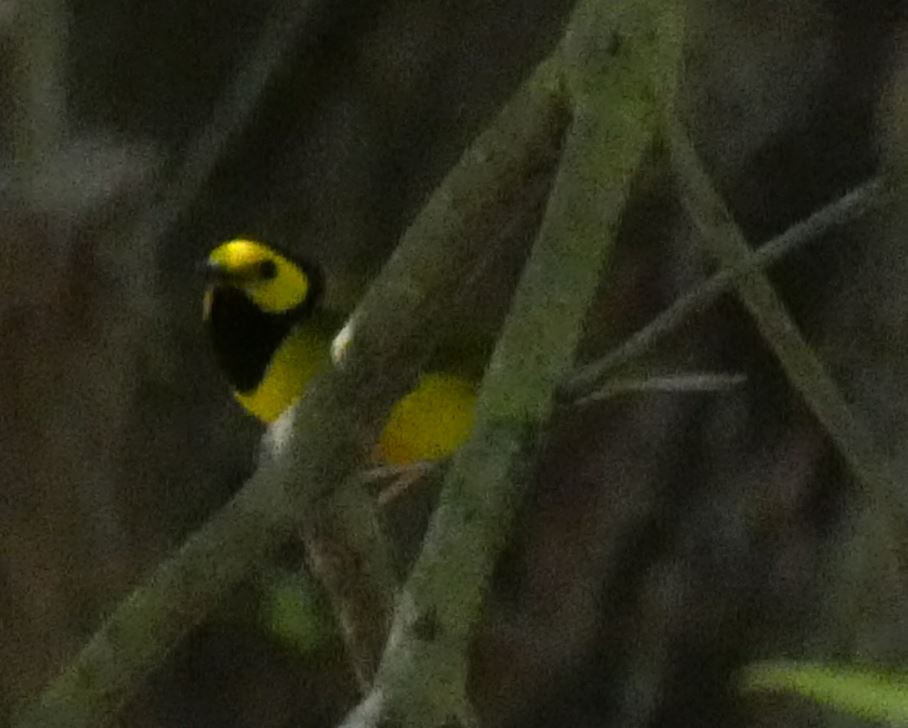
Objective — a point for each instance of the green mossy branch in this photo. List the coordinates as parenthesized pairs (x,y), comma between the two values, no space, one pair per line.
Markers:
(617,92)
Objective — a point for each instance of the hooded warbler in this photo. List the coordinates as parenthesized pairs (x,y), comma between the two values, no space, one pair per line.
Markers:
(271,335)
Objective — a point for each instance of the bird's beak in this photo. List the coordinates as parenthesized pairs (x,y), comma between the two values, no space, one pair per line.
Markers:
(214,275)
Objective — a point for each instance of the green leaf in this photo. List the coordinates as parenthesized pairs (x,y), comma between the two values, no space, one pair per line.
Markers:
(865,692)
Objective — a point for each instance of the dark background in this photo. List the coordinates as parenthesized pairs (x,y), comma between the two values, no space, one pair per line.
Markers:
(668,538)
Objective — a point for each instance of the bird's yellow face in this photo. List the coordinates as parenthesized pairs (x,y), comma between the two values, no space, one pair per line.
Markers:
(274,283)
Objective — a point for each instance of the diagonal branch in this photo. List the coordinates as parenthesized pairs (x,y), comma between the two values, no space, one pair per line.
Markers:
(616,90)
(725,240)
(869,196)
(330,426)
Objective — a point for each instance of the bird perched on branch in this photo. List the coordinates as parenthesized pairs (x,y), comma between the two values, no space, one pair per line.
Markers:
(271,335)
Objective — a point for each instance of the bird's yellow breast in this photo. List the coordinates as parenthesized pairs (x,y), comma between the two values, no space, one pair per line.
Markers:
(429,423)
(299,358)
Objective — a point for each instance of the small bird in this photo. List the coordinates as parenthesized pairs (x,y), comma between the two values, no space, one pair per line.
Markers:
(271,335)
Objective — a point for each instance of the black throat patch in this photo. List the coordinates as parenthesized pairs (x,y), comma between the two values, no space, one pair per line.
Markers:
(245,337)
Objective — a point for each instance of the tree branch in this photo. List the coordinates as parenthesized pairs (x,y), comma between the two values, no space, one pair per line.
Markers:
(725,240)
(40,115)
(351,557)
(328,429)
(869,196)
(675,383)
(616,88)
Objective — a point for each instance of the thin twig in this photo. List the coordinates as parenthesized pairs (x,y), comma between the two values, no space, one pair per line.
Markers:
(865,198)
(674,383)
(807,374)
(348,552)
(402,478)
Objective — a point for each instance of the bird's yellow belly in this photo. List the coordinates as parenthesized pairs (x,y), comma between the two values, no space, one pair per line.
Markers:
(294,364)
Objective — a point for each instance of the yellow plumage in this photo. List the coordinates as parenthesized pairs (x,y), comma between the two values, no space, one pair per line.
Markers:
(293,365)
(262,309)
(430,422)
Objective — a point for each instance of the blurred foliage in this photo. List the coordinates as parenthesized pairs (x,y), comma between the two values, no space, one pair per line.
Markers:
(861,691)
(291,609)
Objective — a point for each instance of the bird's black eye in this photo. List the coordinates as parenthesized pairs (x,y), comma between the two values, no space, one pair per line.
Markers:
(267,269)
